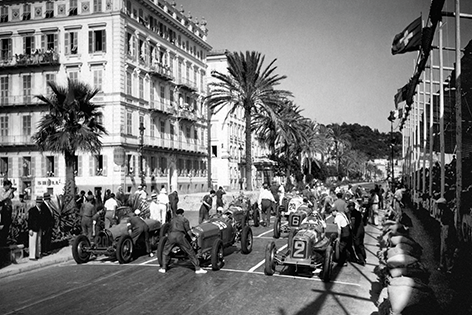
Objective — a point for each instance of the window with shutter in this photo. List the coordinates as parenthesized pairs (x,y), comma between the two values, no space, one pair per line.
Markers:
(105,164)
(49,10)
(73,7)
(4,166)
(97,41)
(80,166)
(97,5)
(4,90)
(5,49)
(26,12)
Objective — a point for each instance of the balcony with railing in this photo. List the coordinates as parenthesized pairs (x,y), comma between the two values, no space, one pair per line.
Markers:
(39,58)
(162,71)
(187,84)
(18,100)
(16,140)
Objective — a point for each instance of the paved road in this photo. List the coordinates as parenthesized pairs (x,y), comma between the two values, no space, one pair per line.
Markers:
(106,287)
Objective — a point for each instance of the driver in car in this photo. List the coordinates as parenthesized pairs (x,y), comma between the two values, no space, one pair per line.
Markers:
(179,227)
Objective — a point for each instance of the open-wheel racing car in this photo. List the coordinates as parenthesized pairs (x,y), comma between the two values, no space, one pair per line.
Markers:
(212,236)
(115,242)
(242,202)
(309,248)
(295,214)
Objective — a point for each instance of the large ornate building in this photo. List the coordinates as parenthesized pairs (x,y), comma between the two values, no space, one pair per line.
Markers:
(147,57)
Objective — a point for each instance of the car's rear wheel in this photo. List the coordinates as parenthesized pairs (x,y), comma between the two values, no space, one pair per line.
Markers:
(217,257)
(269,266)
(246,240)
(255,217)
(79,249)
(328,264)
(124,249)
(163,230)
(277,227)
(160,250)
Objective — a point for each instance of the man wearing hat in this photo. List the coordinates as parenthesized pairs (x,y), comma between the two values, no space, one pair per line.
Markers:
(87,211)
(35,224)
(358,232)
(136,226)
(163,203)
(448,236)
(154,211)
(48,224)
(179,227)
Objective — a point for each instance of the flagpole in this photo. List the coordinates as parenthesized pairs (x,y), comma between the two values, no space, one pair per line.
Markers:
(418,143)
(458,116)
(425,118)
(441,107)
(431,126)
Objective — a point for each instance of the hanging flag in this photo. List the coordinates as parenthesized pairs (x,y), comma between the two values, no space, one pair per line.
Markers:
(401,95)
(409,39)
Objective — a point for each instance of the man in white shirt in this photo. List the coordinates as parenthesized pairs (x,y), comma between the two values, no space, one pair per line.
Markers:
(155,212)
(344,236)
(266,199)
(110,208)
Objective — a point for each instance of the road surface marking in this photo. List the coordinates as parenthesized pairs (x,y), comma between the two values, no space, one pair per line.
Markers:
(263,261)
(285,223)
(148,261)
(289,276)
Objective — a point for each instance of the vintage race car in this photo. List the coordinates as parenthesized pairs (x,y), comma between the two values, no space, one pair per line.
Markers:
(242,202)
(115,242)
(309,248)
(212,236)
(297,211)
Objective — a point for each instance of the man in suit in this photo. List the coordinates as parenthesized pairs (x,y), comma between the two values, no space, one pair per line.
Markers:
(35,224)
(48,224)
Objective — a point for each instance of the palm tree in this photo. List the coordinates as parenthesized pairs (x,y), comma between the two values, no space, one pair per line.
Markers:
(340,139)
(247,86)
(72,124)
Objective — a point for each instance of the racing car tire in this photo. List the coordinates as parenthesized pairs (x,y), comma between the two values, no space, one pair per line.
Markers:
(328,264)
(160,250)
(124,249)
(277,226)
(246,240)
(255,217)
(163,231)
(269,265)
(79,255)
(217,257)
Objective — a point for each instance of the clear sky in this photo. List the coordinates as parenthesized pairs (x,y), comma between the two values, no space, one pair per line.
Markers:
(335,53)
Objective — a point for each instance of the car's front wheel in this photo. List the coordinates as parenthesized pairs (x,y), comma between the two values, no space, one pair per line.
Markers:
(217,257)
(269,266)
(246,240)
(79,249)
(328,264)
(124,249)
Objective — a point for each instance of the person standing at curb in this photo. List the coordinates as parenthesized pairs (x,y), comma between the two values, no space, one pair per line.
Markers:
(448,237)
(358,232)
(207,203)
(219,197)
(35,229)
(48,224)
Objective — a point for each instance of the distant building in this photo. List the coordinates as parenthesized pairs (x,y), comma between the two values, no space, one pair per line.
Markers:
(148,58)
(228,142)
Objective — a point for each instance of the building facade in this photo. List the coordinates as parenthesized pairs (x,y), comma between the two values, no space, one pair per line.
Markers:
(147,58)
(228,142)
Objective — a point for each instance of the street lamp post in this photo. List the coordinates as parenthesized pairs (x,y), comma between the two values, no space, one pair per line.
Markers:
(241,181)
(141,147)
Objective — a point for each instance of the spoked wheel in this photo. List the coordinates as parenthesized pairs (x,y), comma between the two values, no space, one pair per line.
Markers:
(246,240)
(217,258)
(277,227)
(80,249)
(328,264)
(269,266)
(124,249)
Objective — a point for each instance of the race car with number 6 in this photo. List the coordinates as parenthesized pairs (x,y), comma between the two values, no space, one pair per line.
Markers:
(212,236)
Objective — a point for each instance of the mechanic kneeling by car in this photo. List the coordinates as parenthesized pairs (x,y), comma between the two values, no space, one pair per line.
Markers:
(179,226)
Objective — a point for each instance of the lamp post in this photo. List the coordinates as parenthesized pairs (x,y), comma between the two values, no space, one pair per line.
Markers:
(391,118)
(241,181)
(140,149)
